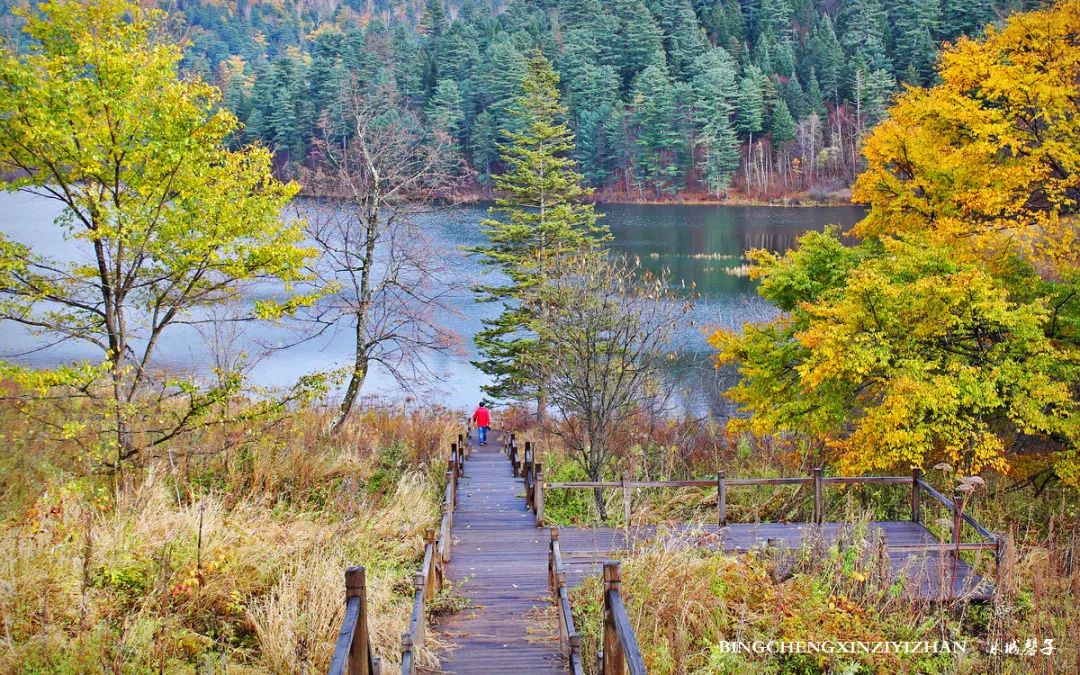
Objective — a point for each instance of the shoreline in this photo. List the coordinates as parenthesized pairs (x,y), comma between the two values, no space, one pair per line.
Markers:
(688,200)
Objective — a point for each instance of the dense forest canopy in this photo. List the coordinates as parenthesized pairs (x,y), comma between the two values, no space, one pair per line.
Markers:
(665,97)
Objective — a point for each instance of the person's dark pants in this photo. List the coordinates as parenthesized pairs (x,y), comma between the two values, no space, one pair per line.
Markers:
(483,435)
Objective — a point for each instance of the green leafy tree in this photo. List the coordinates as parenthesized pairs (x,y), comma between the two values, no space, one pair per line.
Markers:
(170,221)
(896,354)
(542,220)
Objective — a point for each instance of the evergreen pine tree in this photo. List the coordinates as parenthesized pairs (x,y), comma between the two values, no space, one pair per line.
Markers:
(965,17)
(814,100)
(792,93)
(915,22)
(578,13)
(444,109)
(714,89)
(484,146)
(542,220)
(750,103)
(828,58)
(659,139)
(781,124)
(638,39)
(863,26)
(683,38)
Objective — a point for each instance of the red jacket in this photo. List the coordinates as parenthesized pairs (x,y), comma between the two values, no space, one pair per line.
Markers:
(482,417)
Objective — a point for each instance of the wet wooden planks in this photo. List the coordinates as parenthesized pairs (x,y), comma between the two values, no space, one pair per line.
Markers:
(928,575)
(498,562)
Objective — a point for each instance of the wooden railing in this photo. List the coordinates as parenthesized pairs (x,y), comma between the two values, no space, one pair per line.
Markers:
(524,466)
(620,651)
(352,653)
(569,640)
(817,481)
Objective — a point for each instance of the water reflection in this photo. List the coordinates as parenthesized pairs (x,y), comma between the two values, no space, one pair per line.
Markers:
(702,246)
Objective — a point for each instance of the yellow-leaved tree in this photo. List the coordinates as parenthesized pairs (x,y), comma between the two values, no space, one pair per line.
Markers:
(951,331)
(989,159)
(167,218)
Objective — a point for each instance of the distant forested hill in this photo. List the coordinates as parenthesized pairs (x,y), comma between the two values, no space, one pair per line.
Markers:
(692,97)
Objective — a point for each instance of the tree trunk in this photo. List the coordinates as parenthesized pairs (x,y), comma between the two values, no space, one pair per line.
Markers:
(598,497)
(356,380)
(541,407)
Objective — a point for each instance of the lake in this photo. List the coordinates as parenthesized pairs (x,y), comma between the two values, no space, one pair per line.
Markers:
(702,246)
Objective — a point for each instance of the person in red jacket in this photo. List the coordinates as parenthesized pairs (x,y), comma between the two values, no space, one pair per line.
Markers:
(482,418)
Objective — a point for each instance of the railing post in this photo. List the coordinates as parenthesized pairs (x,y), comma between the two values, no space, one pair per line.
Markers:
(462,444)
(626,499)
(460,460)
(513,456)
(452,481)
(958,520)
(614,661)
(916,506)
(551,565)
(999,554)
(356,587)
(957,527)
(530,477)
(538,495)
(819,504)
(408,656)
(419,586)
(454,452)
(721,500)
(433,581)
(449,517)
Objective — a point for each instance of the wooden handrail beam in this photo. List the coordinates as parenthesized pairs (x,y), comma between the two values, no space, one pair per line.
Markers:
(352,652)
(620,648)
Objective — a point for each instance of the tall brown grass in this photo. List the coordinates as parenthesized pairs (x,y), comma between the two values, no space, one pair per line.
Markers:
(223,552)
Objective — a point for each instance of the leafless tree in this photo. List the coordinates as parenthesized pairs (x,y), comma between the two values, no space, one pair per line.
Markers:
(378,270)
(606,332)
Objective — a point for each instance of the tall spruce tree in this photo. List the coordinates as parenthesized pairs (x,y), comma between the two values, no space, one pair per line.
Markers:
(540,218)
(660,142)
(714,91)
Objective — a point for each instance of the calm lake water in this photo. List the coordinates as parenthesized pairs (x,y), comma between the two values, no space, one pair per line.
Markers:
(702,246)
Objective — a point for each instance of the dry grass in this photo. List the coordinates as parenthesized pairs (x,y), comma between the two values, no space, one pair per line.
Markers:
(227,553)
(682,602)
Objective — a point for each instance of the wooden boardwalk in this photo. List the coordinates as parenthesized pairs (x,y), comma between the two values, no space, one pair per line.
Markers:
(927,574)
(499,562)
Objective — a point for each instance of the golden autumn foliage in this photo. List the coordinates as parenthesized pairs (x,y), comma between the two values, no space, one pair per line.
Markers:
(990,157)
(951,332)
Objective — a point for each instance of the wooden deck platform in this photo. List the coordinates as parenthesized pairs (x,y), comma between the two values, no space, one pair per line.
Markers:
(498,562)
(927,574)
